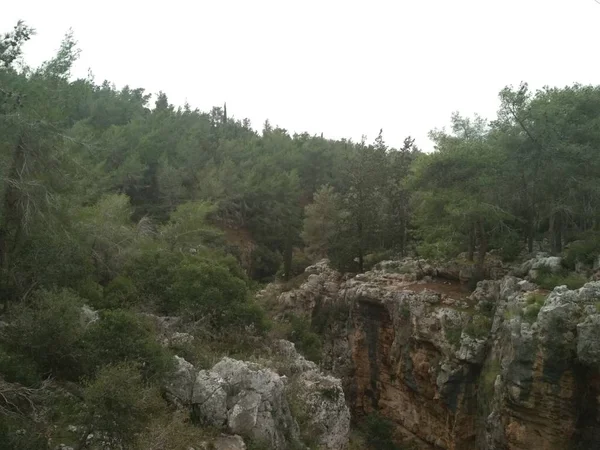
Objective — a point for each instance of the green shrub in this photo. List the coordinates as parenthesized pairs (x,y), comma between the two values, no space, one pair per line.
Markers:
(48,331)
(124,336)
(264,263)
(372,259)
(585,251)
(535,301)
(18,368)
(19,433)
(119,293)
(152,272)
(119,404)
(378,433)
(547,280)
(203,288)
(92,292)
(479,326)
(307,342)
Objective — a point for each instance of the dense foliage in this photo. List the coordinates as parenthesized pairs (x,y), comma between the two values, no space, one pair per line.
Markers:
(132,206)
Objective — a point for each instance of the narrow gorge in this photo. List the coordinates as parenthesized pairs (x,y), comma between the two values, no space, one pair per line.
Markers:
(508,366)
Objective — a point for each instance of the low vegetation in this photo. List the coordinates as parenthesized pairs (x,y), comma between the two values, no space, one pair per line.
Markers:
(547,279)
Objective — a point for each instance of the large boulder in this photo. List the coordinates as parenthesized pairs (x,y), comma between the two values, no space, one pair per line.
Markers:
(180,384)
(322,409)
(209,398)
(588,341)
(256,403)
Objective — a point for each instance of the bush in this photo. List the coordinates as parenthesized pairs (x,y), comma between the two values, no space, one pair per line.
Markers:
(204,288)
(48,331)
(584,251)
(479,326)
(548,280)
(378,433)
(307,342)
(92,292)
(264,263)
(153,272)
(124,336)
(535,302)
(119,404)
(119,293)
(18,368)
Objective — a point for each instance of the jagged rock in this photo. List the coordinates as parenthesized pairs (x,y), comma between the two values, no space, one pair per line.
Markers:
(588,341)
(326,415)
(527,286)
(256,403)
(295,362)
(531,267)
(177,339)
(525,375)
(180,385)
(209,398)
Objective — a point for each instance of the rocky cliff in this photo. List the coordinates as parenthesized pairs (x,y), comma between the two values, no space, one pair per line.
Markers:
(508,366)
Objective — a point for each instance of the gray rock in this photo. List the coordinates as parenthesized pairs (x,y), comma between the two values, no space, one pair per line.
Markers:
(209,398)
(180,385)
(588,341)
(256,403)
(226,442)
(321,399)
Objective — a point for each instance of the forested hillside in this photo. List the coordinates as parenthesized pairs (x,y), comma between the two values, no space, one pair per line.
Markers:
(125,204)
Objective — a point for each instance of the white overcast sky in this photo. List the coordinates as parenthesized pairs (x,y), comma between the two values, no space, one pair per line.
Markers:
(344,68)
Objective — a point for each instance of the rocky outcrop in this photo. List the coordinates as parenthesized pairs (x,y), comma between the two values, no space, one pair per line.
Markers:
(506,367)
(253,400)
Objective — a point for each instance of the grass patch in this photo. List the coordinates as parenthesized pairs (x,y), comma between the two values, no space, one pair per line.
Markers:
(535,301)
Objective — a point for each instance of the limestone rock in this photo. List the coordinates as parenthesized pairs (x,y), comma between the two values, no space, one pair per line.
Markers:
(209,398)
(226,442)
(588,341)
(403,351)
(321,400)
(256,403)
(180,385)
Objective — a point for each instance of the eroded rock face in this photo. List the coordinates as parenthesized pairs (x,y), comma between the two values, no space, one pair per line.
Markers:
(252,400)
(506,367)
